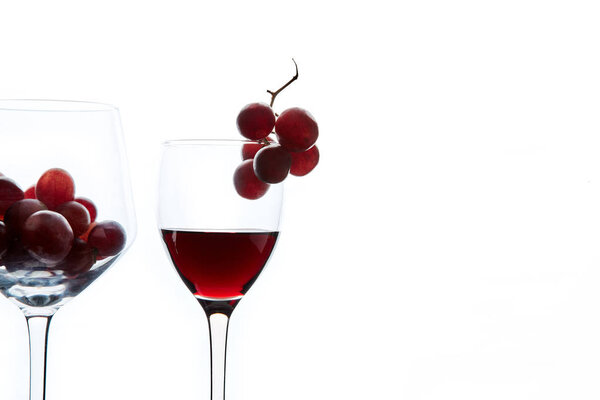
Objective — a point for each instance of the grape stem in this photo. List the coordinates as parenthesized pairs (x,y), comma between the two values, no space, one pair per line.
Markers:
(275,93)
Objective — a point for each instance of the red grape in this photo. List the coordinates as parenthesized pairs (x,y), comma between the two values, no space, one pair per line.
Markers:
(9,193)
(256,121)
(77,216)
(246,183)
(79,260)
(3,239)
(91,207)
(17,214)
(17,258)
(108,237)
(304,162)
(296,129)
(272,164)
(30,193)
(47,236)
(249,150)
(55,187)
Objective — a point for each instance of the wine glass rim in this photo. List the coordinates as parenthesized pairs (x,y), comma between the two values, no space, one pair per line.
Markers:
(207,142)
(51,105)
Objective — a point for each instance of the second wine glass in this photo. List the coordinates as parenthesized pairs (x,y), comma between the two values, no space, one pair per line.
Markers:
(66,213)
(218,241)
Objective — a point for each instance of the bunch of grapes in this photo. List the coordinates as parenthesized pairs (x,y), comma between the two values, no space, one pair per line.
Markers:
(270,159)
(47,227)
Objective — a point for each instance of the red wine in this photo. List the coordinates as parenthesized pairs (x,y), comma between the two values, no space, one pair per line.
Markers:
(219,265)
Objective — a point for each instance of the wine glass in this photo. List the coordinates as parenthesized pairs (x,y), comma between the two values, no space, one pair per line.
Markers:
(218,241)
(65,206)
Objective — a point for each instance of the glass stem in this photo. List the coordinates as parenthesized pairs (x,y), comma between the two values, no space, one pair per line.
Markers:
(38,343)
(218,324)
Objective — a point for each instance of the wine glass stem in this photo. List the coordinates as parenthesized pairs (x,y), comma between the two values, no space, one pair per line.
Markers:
(38,343)
(218,324)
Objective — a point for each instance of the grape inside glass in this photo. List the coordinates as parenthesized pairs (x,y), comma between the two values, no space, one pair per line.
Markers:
(66,213)
(218,241)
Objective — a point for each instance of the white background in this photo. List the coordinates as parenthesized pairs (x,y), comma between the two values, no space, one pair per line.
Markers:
(446,247)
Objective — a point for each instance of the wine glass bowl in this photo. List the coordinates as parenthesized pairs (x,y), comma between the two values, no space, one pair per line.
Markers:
(218,241)
(83,139)
(64,199)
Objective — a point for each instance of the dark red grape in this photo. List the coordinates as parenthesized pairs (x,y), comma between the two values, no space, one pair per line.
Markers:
(256,121)
(249,150)
(91,207)
(47,236)
(55,187)
(17,214)
(246,183)
(3,239)
(77,216)
(18,258)
(272,164)
(30,193)
(79,260)
(9,193)
(108,238)
(296,129)
(305,161)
